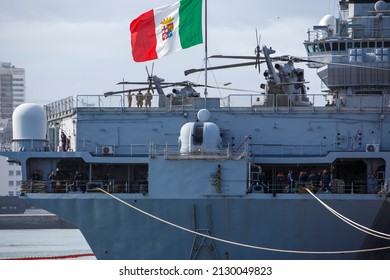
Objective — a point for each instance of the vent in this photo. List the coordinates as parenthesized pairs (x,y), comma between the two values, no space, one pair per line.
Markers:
(372,148)
(107,150)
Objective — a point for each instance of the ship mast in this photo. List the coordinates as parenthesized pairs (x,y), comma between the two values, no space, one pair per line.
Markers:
(205,53)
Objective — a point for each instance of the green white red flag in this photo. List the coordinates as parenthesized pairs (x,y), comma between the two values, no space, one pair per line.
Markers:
(167,29)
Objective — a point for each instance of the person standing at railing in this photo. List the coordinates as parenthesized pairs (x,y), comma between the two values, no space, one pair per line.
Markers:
(129,98)
(325,181)
(78,178)
(302,179)
(52,182)
(64,141)
(313,179)
(148,99)
(290,179)
(107,181)
(34,178)
(140,99)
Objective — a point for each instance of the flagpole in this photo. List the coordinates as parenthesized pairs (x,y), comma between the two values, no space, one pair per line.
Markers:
(205,51)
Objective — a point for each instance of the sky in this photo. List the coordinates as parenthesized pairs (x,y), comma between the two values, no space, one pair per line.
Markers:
(74,47)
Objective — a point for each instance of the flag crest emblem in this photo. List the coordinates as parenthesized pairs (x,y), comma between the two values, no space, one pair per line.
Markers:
(167,28)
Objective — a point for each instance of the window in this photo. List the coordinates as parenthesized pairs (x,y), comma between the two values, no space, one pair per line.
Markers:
(10,173)
(335,46)
(18,172)
(10,183)
(310,48)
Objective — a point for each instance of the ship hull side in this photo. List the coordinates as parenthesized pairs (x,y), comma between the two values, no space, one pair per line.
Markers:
(278,225)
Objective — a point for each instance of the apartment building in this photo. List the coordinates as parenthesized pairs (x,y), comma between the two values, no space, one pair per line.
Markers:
(12,94)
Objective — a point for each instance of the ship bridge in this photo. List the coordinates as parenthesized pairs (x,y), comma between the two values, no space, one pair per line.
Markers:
(352,51)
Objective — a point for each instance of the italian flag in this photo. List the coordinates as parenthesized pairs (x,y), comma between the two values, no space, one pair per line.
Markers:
(167,29)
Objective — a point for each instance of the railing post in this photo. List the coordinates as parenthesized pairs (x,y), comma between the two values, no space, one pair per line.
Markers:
(352,187)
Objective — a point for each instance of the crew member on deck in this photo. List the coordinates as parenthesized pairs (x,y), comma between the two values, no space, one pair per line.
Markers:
(148,99)
(290,179)
(325,180)
(63,141)
(36,176)
(140,99)
(53,181)
(78,181)
(129,98)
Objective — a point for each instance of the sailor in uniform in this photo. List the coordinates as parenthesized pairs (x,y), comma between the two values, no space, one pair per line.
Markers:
(148,99)
(129,98)
(140,99)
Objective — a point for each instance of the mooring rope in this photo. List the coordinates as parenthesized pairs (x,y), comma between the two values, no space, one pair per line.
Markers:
(350,222)
(237,243)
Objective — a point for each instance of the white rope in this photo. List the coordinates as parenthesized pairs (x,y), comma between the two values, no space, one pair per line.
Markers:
(240,244)
(352,223)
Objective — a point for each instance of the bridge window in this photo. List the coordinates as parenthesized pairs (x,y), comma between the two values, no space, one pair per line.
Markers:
(312,48)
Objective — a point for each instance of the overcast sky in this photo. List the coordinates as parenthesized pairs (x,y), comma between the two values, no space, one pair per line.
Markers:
(75,47)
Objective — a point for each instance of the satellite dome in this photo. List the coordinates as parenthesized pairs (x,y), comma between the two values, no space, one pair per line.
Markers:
(203,115)
(29,122)
(380,6)
(328,20)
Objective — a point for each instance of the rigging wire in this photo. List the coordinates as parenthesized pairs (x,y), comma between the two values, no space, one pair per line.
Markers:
(350,222)
(237,243)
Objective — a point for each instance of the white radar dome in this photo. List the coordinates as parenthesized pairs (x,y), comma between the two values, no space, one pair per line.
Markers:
(328,20)
(29,122)
(203,115)
(380,6)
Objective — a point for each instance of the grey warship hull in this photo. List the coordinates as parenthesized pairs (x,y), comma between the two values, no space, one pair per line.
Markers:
(287,227)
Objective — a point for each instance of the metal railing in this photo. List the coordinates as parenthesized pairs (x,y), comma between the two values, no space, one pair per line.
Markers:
(336,187)
(72,186)
(247,103)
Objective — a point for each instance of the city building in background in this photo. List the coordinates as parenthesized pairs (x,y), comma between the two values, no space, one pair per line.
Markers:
(12,94)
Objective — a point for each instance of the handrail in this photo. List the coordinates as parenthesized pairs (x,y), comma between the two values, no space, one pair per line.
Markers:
(81,186)
(251,103)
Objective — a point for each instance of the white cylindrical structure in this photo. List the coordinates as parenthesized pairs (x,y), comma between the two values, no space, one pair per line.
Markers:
(29,128)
